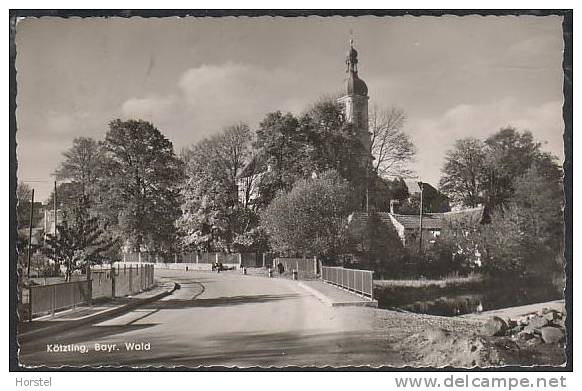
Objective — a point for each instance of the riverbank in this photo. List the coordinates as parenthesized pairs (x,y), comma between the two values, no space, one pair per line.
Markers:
(437,341)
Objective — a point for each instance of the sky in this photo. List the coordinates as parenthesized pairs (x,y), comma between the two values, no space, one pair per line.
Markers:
(454,77)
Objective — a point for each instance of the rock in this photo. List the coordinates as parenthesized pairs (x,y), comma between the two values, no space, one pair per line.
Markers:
(522,321)
(536,340)
(524,336)
(552,334)
(537,322)
(511,323)
(551,315)
(494,326)
(561,322)
(516,330)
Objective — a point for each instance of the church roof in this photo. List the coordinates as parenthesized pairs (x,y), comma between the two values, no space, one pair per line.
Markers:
(354,85)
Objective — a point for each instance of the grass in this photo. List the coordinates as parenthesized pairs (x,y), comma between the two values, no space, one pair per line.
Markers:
(445,282)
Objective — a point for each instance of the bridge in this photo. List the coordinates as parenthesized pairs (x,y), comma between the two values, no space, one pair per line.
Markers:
(223,319)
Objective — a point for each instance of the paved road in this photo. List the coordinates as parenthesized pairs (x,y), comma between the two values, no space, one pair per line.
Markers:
(228,320)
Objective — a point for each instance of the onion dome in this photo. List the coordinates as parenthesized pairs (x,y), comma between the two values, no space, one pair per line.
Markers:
(355,85)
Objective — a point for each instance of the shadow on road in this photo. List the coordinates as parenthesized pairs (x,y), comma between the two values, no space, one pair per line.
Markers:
(217,302)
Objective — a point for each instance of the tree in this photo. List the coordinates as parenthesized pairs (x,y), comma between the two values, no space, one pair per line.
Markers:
(510,154)
(68,194)
(139,190)
(391,147)
(212,215)
(463,177)
(526,237)
(282,148)
(332,143)
(376,245)
(82,164)
(478,172)
(311,218)
(23,197)
(79,241)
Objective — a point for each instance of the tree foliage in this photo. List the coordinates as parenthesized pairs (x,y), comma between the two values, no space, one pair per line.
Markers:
(463,177)
(477,172)
(311,218)
(212,215)
(526,237)
(139,187)
(79,240)
(81,164)
(376,245)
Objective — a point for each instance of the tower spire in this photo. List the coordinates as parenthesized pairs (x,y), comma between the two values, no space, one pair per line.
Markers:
(352,57)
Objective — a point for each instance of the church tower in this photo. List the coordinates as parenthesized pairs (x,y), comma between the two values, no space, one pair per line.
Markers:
(355,101)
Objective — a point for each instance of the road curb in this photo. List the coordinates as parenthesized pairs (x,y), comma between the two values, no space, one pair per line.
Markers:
(98,317)
(326,300)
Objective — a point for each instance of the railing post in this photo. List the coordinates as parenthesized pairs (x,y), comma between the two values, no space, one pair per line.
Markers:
(30,303)
(372,285)
(363,295)
(89,286)
(130,281)
(53,299)
(113,281)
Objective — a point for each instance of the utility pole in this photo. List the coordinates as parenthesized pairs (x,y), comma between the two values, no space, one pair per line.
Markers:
(55,207)
(420,224)
(30,233)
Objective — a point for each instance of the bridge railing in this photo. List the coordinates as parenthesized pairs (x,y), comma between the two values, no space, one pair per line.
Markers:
(353,280)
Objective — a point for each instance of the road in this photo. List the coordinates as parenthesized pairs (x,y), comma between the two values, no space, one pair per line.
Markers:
(226,320)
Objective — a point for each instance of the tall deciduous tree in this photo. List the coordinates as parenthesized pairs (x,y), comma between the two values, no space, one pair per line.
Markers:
(281,146)
(463,177)
(391,147)
(312,217)
(526,237)
(212,215)
(484,172)
(332,143)
(139,189)
(81,164)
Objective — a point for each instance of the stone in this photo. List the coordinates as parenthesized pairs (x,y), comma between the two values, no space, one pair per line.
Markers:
(536,340)
(522,321)
(551,315)
(552,334)
(537,322)
(561,322)
(516,329)
(494,326)
(511,323)
(524,336)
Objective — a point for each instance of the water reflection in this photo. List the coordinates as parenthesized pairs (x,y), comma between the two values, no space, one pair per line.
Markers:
(448,302)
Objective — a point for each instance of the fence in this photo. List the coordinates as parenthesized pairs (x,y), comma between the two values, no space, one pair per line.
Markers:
(101,283)
(305,267)
(353,280)
(54,297)
(132,278)
(249,259)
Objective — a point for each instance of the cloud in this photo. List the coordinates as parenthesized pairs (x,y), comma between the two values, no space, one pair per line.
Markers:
(434,136)
(210,97)
(150,108)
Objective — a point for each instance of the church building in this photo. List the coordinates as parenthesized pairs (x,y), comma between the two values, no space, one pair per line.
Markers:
(355,101)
